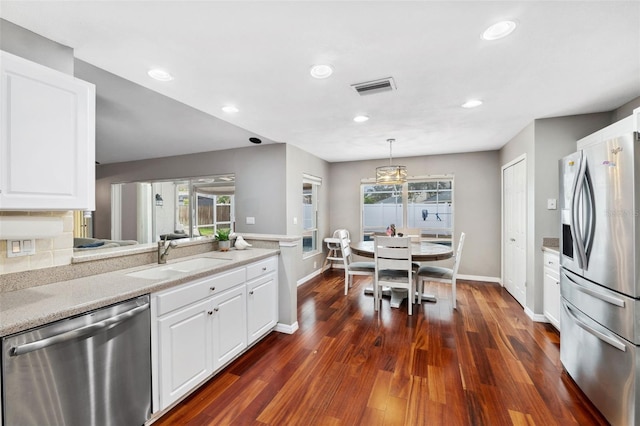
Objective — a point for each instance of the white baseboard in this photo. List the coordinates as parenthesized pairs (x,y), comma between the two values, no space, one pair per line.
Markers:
(480,278)
(308,277)
(460,276)
(535,317)
(286,328)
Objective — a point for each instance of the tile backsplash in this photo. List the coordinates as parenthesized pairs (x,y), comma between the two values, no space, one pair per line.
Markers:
(56,251)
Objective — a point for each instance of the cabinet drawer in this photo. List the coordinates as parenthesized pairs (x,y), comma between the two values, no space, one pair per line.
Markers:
(552,260)
(186,294)
(261,267)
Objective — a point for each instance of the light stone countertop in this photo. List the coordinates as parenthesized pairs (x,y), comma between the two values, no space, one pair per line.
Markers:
(551,244)
(32,307)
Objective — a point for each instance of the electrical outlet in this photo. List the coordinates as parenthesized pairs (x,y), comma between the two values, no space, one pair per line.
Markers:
(295,220)
(251,220)
(315,264)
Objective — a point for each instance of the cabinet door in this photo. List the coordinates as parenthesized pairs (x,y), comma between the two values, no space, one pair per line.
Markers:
(47,143)
(229,325)
(551,283)
(185,355)
(262,306)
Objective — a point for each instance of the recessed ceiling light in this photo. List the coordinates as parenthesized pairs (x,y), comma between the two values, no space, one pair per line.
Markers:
(499,30)
(472,103)
(360,118)
(230,109)
(255,140)
(321,71)
(160,75)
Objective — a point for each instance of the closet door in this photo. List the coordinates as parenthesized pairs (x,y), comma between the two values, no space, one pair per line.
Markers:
(514,192)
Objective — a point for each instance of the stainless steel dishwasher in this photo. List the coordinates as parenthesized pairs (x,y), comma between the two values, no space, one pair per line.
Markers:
(92,369)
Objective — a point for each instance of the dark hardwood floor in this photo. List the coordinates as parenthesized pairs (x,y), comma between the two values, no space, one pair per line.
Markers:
(486,363)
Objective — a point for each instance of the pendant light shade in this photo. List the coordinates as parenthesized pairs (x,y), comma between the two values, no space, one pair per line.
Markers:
(391,175)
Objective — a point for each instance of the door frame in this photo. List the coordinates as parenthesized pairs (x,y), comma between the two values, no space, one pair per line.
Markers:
(502,222)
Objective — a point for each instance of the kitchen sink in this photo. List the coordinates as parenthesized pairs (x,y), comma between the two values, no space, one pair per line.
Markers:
(177,268)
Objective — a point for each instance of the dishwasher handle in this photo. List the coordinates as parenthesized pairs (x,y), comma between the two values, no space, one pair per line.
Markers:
(77,333)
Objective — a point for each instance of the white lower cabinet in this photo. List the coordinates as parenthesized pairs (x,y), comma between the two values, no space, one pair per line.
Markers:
(229,325)
(185,348)
(200,326)
(551,284)
(262,306)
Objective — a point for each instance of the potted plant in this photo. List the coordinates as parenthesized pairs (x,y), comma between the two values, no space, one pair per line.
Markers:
(222,236)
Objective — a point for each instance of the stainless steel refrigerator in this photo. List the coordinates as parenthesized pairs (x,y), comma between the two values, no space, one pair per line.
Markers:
(600,280)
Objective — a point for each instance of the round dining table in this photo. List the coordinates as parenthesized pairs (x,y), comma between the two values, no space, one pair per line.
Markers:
(422,251)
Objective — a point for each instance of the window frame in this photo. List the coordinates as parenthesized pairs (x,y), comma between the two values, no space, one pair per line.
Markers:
(216,224)
(313,232)
(405,204)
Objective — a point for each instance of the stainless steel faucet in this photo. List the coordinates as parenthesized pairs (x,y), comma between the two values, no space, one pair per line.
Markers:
(163,250)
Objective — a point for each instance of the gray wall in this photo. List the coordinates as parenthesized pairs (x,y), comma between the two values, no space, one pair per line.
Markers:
(625,110)
(34,47)
(260,179)
(129,223)
(476,201)
(268,187)
(544,142)
(298,163)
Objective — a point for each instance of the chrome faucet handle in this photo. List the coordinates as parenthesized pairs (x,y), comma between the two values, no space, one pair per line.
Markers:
(163,249)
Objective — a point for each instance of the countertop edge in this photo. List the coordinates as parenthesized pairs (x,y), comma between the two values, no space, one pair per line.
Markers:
(21,310)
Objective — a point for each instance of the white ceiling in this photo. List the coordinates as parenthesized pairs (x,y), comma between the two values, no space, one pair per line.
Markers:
(564,58)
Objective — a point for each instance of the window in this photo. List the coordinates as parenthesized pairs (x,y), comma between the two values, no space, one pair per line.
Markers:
(424,203)
(310,189)
(214,203)
(213,212)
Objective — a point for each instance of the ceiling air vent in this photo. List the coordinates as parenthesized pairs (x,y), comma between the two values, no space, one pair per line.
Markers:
(375,86)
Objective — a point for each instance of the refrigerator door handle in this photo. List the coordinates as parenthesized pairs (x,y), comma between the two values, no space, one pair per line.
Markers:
(576,223)
(590,213)
(604,297)
(606,339)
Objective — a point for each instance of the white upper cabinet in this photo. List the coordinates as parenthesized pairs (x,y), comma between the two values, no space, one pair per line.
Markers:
(47,138)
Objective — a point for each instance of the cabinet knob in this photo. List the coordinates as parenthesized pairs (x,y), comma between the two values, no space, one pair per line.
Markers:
(251,292)
(210,312)
(212,288)
(216,309)
(264,268)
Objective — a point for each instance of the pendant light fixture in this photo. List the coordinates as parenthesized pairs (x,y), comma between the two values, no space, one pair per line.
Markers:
(391,175)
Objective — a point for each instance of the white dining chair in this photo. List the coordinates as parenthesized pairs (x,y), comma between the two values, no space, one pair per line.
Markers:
(441,275)
(352,268)
(334,249)
(393,268)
